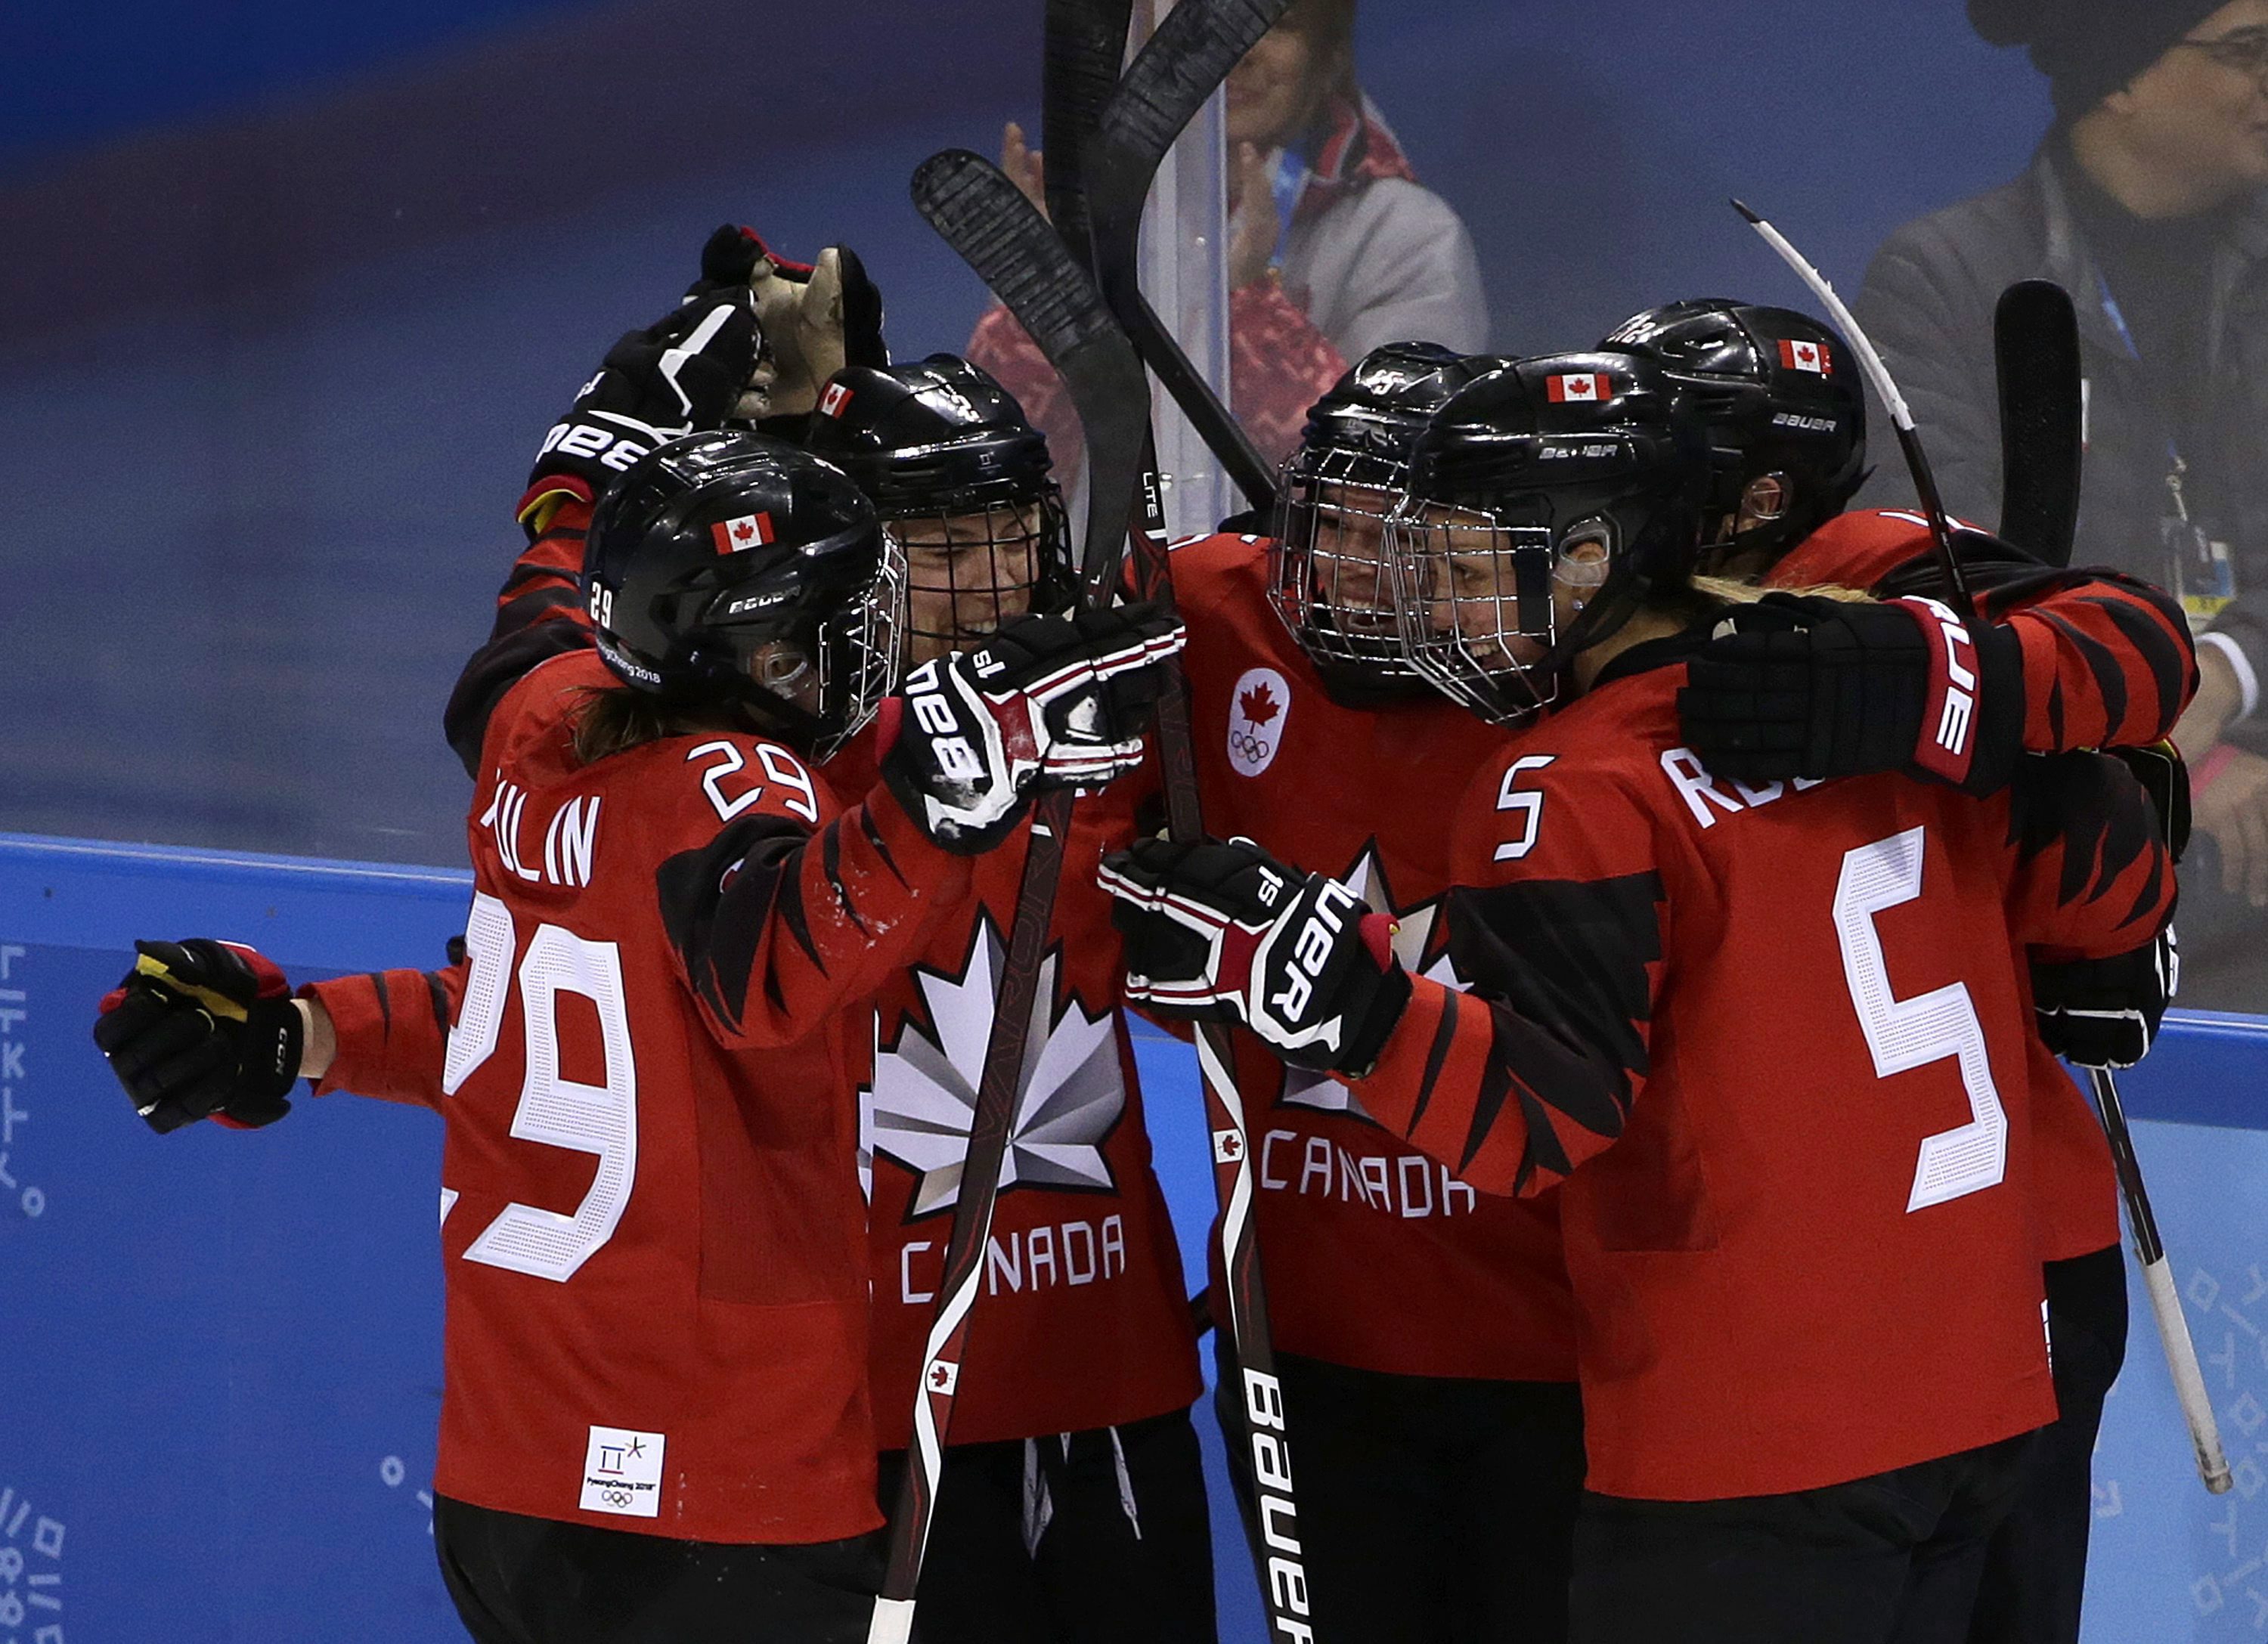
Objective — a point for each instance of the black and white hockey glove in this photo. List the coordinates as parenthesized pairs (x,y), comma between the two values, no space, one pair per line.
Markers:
(689,370)
(2105,1013)
(1220,931)
(202,1029)
(1047,701)
(1800,685)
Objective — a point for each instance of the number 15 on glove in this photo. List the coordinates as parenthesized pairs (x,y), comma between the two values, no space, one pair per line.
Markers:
(1220,931)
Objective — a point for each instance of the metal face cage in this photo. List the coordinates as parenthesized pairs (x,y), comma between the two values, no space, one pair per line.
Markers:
(1333,586)
(860,652)
(965,574)
(1475,599)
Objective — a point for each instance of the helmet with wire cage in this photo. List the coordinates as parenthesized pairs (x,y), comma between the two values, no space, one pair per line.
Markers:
(1584,473)
(1329,579)
(952,463)
(730,566)
(1782,396)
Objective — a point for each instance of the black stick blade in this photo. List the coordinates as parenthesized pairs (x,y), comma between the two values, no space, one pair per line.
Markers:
(1183,62)
(2035,349)
(1002,236)
(1085,43)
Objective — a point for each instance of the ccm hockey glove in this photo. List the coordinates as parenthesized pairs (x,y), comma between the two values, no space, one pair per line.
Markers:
(1047,701)
(1801,685)
(202,1029)
(2105,1013)
(1223,932)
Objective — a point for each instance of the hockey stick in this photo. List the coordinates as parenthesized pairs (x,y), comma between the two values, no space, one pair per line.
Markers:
(2165,1300)
(1001,235)
(1886,387)
(1184,63)
(1086,42)
(2036,355)
(1190,54)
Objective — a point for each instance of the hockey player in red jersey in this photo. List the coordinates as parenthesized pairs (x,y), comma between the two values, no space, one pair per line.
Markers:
(2074,660)
(1425,1331)
(1801,1243)
(656,1420)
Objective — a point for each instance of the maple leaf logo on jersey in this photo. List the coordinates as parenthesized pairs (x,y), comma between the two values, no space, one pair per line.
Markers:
(1414,944)
(1257,704)
(1069,1096)
(1259,709)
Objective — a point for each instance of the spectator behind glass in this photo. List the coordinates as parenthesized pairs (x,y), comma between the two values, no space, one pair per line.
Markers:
(1334,248)
(2146,201)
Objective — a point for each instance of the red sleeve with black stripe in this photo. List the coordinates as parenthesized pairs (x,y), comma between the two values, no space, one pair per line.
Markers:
(1533,1069)
(2093,875)
(775,924)
(393,1029)
(539,614)
(2109,662)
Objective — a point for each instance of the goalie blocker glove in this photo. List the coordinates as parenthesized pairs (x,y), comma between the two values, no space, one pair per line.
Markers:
(2105,1013)
(1805,687)
(202,1029)
(1223,932)
(1048,702)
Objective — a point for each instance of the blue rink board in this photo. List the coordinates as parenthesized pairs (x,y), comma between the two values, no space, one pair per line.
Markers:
(220,1354)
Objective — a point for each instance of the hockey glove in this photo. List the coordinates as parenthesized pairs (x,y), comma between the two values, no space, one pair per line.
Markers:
(202,1029)
(691,370)
(1047,701)
(1804,686)
(816,319)
(1223,932)
(2105,1013)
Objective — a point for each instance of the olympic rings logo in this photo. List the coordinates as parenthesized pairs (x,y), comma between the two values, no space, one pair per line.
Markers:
(615,1497)
(1251,748)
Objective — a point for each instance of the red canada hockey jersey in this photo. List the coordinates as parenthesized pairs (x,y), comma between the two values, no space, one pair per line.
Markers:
(1770,1041)
(1376,1256)
(1083,1319)
(652,1238)
(2109,662)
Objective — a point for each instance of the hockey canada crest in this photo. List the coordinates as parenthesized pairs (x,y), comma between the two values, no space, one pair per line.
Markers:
(1257,710)
(1068,1097)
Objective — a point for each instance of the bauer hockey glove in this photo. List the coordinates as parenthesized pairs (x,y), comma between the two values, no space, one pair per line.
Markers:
(1801,685)
(202,1029)
(2105,1013)
(1220,931)
(1047,701)
(816,319)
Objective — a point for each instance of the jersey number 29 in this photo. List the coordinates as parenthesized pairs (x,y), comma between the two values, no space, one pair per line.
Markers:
(601,1118)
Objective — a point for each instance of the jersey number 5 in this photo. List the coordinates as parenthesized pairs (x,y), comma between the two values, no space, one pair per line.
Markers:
(601,1118)
(1908,1033)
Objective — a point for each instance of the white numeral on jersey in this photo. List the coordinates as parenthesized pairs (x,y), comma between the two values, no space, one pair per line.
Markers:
(777,765)
(559,1113)
(1908,1033)
(1528,804)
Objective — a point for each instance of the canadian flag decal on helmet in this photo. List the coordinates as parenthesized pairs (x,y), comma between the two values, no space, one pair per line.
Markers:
(1798,356)
(1586,387)
(836,400)
(748,531)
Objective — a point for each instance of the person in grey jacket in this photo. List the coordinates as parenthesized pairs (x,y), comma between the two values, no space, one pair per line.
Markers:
(1334,246)
(2148,201)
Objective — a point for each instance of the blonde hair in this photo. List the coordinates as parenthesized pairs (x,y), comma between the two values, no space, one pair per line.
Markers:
(1731,590)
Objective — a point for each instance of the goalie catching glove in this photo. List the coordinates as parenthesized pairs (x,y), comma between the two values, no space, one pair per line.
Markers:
(202,1029)
(1805,686)
(1048,702)
(1223,932)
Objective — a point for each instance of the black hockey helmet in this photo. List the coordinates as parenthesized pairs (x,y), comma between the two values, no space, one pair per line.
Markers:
(1782,396)
(1346,477)
(948,455)
(718,554)
(1583,471)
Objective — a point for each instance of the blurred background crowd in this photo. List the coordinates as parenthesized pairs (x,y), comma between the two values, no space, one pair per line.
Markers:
(290,293)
